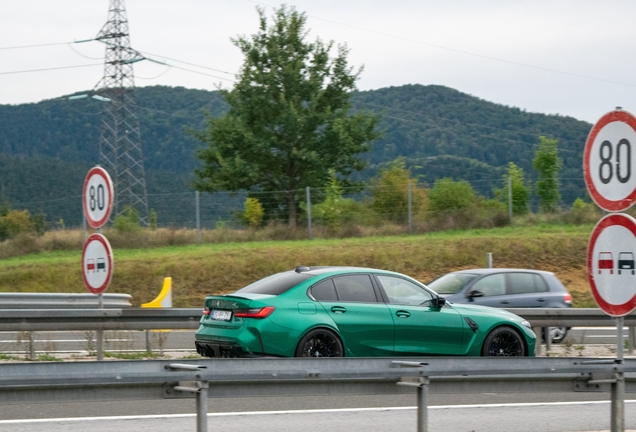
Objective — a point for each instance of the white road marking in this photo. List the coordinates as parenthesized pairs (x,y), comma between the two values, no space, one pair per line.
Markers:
(316,411)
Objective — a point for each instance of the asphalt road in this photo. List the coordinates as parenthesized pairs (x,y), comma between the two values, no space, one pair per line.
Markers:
(485,416)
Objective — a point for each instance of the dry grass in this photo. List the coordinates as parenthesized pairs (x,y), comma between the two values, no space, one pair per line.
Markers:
(216,267)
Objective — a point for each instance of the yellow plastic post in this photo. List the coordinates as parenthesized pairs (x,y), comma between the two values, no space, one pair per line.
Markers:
(164,299)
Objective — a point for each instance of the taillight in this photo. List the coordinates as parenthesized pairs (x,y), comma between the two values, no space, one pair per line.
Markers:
(206,311)
(568,299)
(254,313)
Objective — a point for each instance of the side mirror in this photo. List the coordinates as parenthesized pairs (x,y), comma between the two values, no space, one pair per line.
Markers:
(439,301)
(475,293)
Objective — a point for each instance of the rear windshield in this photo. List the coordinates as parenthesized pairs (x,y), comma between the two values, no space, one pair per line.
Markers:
(451,283)
(276,284)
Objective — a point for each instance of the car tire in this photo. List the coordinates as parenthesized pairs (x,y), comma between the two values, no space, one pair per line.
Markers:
(558,334)
(504,342)
(320,343)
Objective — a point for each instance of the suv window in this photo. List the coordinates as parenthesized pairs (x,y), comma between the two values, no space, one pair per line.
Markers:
(355,288)
(523,283)
(276,284)
(324,291)
(401,291)
(491,285)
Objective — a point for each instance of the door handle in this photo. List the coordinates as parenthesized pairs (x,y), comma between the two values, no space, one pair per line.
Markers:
(542,299)
(338,309)
(402,314)
(505,302)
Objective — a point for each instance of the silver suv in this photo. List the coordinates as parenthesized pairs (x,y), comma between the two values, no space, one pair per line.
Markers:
(506,288)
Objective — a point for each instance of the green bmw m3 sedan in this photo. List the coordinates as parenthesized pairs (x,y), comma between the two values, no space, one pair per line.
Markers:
(353,312)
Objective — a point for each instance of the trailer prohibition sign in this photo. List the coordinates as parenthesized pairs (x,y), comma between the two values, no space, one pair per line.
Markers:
(611,264)
(97,263)
(609,161)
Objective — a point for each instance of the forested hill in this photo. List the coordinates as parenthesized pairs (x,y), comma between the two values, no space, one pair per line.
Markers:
(439,131)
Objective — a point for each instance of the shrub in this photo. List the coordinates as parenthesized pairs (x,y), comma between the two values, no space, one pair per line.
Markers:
(15,222)
(390,194)
(127,221)
(448,195)
(253,213)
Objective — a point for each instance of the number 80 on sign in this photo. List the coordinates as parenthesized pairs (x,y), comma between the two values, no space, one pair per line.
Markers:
(97,197)
(609,161)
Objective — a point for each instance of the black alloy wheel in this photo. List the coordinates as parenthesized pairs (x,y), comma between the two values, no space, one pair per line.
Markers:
(503,342)
(320,343)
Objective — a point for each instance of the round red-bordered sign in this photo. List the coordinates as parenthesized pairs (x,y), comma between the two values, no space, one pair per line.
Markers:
(609,161)
(97,263)
(611,264)
(97,197)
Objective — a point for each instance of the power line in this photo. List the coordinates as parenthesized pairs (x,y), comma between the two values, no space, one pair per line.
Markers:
(49,69)
(458,51)
(35,46)
(189,64)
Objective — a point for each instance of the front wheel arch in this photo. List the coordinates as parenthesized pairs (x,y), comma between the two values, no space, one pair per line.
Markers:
(504,341)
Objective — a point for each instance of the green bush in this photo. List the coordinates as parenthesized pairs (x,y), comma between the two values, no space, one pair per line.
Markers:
(127,221)
(335,211)
(253,213)
(390,194)
(449,195)
(14,222)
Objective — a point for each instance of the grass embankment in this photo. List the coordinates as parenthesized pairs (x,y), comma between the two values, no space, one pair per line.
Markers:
(222,268)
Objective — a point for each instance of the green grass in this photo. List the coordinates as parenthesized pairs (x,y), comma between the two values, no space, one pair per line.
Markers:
(131,355)
(198,270)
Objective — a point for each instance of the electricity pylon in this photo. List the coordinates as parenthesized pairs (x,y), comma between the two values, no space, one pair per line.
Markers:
(120,142)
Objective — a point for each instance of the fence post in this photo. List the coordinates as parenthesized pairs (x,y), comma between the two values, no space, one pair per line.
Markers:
(308,192)
(408,189)
(489,255)
(198,217)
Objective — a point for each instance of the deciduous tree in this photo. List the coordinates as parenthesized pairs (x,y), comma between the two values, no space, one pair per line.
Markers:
(290,119)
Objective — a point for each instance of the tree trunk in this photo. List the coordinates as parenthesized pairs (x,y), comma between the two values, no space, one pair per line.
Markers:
(291,201)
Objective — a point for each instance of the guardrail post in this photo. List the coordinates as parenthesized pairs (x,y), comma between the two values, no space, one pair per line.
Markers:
(202,406)
(537,346)
(631,340)
(548,338)
(148,345)
(422,404)
(422,393)
(31,346)
(199,388)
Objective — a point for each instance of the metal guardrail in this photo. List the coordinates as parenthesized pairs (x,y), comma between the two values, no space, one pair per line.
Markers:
(36,319)
(99,319)
(62,301)
(160,379)
(33,320)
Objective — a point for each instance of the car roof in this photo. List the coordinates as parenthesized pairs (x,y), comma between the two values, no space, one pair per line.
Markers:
(482,271)
(329,269)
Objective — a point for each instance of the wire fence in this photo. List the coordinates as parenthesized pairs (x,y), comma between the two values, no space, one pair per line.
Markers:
(203,210)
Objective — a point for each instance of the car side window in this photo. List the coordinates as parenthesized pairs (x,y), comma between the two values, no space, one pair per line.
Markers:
(492,285)
(402,291)
(355,288)
(524,283)
(324,291)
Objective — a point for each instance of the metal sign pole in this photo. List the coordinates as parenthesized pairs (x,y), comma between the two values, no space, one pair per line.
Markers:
(618,387)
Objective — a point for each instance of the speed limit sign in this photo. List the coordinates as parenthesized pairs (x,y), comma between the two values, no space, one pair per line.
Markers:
(97,197)
(609,161)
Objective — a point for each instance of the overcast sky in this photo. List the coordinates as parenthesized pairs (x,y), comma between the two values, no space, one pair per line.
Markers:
(573,58)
